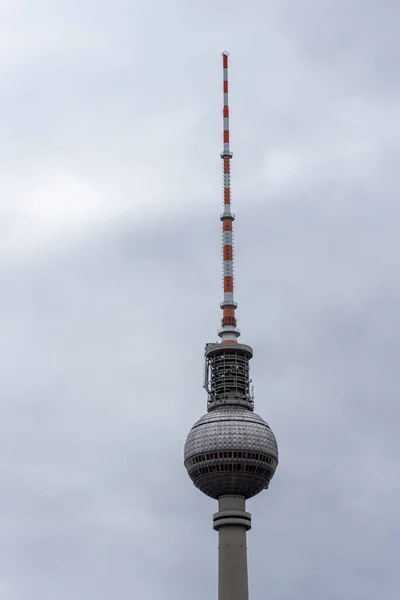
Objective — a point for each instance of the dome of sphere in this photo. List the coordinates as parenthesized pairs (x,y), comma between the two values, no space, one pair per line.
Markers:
(231,450)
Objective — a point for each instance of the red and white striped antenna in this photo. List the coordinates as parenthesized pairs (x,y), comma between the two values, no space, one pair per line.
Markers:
(228,332)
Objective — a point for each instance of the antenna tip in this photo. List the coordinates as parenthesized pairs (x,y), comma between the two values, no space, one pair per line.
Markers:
(225,53)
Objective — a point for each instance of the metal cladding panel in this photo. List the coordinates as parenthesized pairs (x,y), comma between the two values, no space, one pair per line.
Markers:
(228,268)
(231,428)
(219,484)
(227,238)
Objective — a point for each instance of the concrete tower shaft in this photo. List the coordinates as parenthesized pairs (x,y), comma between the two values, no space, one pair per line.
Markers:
(232,523)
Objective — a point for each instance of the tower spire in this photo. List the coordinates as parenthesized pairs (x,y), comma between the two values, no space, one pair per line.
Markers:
(228,332)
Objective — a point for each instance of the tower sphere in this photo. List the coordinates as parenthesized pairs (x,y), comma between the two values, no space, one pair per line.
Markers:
(231,450)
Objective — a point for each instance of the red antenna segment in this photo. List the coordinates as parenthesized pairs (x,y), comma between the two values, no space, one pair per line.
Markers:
(228,332)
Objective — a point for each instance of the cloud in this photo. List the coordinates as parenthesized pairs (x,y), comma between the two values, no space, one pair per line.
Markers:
(110,284)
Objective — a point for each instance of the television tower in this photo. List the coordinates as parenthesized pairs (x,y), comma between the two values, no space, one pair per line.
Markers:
(230,453)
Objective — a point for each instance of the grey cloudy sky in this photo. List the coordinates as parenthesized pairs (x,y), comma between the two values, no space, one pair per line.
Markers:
(110,195)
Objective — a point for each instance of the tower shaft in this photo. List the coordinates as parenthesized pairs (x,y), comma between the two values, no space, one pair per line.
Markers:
(232,522)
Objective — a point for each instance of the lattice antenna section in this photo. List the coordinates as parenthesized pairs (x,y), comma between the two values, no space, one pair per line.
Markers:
(227,375)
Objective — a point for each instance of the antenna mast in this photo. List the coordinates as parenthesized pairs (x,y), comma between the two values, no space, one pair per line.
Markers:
(228,332)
